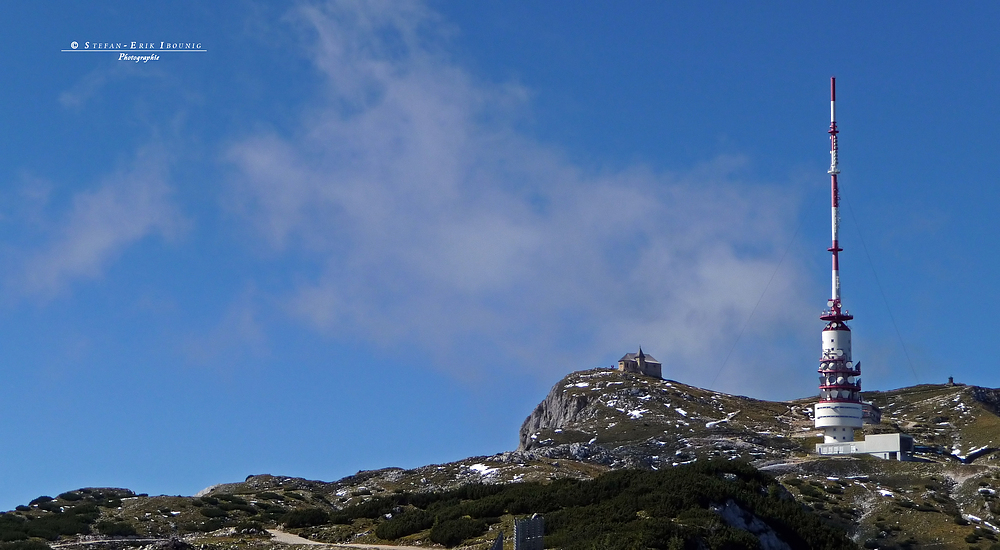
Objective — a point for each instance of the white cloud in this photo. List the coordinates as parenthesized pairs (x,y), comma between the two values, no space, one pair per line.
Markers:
(85,88)
(126,207)
(438,225)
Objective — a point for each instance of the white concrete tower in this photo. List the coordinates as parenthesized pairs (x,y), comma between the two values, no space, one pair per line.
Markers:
(839,410)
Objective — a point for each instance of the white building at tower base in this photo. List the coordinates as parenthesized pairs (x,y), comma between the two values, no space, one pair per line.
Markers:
(888,446)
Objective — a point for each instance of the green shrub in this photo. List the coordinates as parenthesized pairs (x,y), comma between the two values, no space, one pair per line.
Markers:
(75,521)
(453,532)
(230,506)
(492,506)
(809,490)
(270,495)
(70,496)
(40,500)
(404,523)
(25,545)
(212,512)
(341,518)
(212,525)
(307,517)
(12,527)
(115,529)
(268,507)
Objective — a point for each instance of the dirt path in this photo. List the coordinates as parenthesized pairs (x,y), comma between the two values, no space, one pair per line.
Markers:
(103,541)
(378,546)
(288,538)
(279,536)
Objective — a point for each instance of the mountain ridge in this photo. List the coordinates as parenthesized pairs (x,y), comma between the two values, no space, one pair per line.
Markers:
(602,420)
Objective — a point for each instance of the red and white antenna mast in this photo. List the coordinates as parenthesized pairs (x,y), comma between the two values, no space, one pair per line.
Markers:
(834,198)
(839,410)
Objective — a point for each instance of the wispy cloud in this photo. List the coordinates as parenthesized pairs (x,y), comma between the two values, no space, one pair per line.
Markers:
(438,225)
(127,206)
(237,337)
(98,81)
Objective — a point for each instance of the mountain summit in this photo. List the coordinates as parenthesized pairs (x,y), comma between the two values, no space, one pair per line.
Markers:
(622,419)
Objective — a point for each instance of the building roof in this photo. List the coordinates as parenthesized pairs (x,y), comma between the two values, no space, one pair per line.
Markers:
(634,356)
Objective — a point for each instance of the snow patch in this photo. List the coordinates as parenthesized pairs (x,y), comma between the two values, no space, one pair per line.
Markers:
(956,452)
(714,423)
(483,469)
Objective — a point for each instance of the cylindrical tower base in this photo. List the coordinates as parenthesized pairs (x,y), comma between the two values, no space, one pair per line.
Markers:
(838,420)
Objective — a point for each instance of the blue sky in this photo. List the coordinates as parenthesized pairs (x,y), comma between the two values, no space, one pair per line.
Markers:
(357,235)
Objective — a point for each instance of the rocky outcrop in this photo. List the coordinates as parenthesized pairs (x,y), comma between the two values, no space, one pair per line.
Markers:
(560,408)
(989,397)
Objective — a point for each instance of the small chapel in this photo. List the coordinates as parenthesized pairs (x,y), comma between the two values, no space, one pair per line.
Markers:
(640,363)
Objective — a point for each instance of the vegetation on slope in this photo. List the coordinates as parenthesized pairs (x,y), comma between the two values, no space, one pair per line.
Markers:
(71,513)
(625,509)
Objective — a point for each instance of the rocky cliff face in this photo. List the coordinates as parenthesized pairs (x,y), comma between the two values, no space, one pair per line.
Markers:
(560,408)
